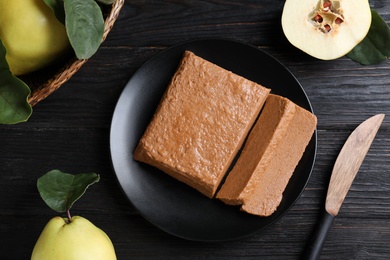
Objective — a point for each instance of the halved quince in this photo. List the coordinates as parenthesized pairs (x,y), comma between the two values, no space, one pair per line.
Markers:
(326,29)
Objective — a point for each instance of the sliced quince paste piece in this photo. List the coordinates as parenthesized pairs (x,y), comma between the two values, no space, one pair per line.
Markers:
(201,123)
(326,29)
(269,157)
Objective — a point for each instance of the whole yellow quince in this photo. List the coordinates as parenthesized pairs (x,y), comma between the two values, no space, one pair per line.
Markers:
(32,35)
(74,240)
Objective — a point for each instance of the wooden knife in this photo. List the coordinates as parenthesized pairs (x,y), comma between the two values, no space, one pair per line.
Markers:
(344,171)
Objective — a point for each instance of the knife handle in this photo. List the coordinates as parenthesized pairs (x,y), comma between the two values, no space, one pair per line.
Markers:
(314,247)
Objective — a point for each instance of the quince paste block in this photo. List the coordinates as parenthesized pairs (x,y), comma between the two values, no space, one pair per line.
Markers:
(269,157)
(201,123)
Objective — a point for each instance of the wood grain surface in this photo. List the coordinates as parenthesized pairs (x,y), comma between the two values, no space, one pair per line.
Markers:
(70,131)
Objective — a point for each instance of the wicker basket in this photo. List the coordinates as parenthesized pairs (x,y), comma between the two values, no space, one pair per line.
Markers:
(42,85)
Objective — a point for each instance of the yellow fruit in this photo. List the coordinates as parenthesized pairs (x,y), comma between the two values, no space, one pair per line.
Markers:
(326,29)
(79,239)
(32,35)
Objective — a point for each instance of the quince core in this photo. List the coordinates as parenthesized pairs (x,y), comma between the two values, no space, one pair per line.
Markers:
(326,29)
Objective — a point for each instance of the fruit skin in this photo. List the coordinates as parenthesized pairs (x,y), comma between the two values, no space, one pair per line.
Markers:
(79,239)
(300,32)
(32,35)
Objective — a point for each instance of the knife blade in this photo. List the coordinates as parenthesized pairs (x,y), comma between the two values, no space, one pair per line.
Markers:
(344,171)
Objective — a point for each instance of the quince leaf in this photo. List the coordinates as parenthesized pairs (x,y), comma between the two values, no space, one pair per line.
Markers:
(14,93)
(84,24)
(58,8)
(61,190)
(375,47)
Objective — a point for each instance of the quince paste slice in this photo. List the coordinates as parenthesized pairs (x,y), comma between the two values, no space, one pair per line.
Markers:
(326,29)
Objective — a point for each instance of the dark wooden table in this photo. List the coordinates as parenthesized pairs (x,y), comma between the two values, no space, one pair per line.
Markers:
(70,131)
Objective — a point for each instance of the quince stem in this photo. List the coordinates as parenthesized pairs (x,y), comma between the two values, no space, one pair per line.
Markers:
(69,216)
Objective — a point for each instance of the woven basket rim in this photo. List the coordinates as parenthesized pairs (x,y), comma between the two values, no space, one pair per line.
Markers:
(74,64)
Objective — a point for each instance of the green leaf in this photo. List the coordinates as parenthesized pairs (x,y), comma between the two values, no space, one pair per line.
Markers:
(58,8)
(61,190)
(14,93)
(375,47)
(84,24)
(106,2)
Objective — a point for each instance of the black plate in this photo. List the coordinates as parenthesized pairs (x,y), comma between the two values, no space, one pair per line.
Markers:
(173,206)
